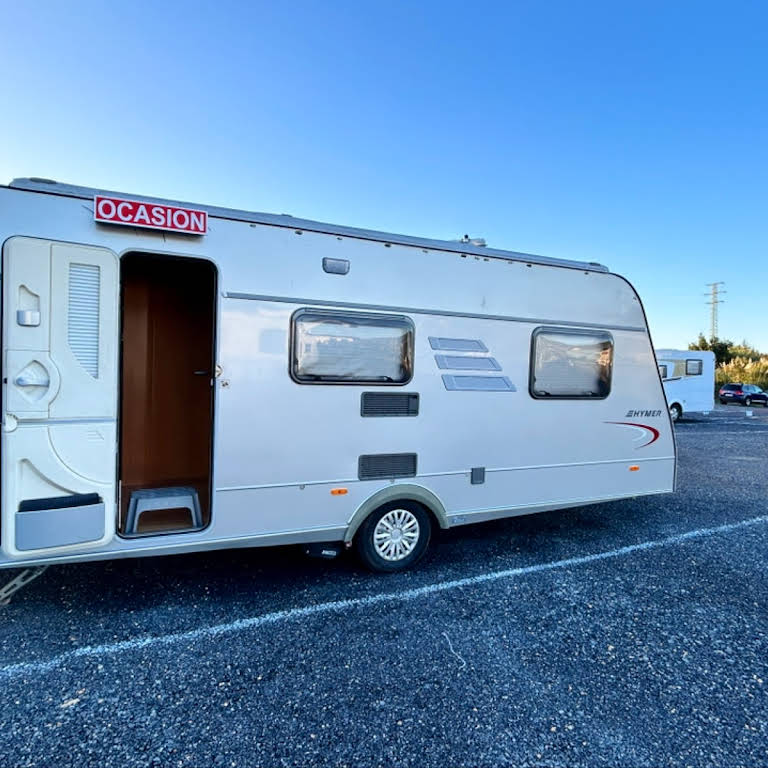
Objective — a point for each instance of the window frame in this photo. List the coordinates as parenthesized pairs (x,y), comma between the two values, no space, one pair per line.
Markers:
(342,314)
(572,332)
(694,360)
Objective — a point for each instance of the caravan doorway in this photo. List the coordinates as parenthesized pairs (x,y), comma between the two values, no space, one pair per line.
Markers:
(168,311)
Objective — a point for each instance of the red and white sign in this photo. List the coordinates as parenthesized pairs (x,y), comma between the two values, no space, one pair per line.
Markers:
(134,213)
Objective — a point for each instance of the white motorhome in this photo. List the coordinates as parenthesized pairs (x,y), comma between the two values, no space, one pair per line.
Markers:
(689,380)
(180,378)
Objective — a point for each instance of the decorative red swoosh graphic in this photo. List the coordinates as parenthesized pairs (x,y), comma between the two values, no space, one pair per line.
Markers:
(654,432)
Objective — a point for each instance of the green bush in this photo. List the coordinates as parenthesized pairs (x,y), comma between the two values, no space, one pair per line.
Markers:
(744,371)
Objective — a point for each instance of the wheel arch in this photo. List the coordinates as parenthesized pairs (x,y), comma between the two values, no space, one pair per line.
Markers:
(398,492)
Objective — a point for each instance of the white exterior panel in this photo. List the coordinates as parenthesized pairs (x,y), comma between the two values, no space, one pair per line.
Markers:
(59,385)
(280,447)
(693,394)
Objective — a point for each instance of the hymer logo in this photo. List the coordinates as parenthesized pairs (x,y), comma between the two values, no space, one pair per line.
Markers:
(644,414)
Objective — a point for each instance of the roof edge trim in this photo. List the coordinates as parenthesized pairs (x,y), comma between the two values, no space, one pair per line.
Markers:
(48,186)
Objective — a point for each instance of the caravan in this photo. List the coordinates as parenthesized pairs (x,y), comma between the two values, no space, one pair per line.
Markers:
(689,380)
(180,378)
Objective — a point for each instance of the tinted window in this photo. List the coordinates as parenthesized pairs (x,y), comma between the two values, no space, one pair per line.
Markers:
(350,347)
(569,363)
(693,367)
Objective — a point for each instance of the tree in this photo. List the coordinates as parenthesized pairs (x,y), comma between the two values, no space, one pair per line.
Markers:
(735,362)
(723,348)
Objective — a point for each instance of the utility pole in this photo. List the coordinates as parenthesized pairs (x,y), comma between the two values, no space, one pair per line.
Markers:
(714,299)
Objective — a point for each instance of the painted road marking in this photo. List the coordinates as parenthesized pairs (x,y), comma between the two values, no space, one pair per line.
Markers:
(336,606)
(720,433)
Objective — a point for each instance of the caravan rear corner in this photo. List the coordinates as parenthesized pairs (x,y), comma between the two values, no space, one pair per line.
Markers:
(689,380)
(178,378)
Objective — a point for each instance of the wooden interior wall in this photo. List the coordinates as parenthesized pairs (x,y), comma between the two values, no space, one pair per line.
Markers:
(166,408)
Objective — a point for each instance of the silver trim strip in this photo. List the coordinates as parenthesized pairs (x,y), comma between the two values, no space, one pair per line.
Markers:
(633,460)
(150,547)
(478,515)
(422,311)
(354,480)
(57,422)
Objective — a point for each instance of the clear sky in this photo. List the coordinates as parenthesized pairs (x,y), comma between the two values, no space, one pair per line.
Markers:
(630,133)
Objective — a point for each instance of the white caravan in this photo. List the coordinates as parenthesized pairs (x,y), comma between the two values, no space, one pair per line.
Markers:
(689,380)
(181,378)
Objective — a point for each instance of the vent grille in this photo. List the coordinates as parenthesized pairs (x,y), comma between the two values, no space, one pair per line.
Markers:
(457,345)
(389,404)
(467,363)
(386,465)
(478,383)
(83,316)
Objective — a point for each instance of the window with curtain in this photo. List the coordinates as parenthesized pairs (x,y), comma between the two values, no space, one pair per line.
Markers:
(351,348)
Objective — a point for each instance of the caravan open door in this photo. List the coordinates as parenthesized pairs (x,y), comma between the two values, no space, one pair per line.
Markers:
(60,370)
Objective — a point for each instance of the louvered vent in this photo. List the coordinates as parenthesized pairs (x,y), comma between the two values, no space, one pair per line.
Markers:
(457,345)
(389,404)
(478,383)
(467,363)
(83,327)
(386,465)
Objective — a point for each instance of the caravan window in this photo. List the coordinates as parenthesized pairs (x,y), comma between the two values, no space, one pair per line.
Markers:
(571,364)
(693,367)
(331,347)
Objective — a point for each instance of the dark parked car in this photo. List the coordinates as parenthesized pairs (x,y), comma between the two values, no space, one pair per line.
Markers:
(747,394)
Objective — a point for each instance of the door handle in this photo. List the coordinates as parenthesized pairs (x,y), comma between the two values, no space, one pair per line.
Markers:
(23,381)
(28,317)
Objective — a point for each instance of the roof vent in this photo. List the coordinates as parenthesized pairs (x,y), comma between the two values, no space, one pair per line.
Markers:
(476,241)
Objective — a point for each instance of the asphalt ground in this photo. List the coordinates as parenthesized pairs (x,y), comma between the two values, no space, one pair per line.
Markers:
(633,633)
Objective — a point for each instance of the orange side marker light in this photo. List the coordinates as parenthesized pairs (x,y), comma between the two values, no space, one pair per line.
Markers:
(338,491)
(634,468)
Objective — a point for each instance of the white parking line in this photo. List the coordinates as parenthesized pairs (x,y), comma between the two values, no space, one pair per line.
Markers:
(240,625)
(719,433)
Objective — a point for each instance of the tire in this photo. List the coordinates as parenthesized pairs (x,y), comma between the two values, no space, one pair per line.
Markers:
(747,401)
(675,412)
(394,537)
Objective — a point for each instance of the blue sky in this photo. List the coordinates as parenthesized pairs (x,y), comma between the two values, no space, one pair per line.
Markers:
(635,133)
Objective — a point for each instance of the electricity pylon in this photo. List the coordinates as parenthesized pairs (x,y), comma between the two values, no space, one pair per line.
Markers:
(714,299)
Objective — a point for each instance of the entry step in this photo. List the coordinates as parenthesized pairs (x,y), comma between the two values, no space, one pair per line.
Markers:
(148,500)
